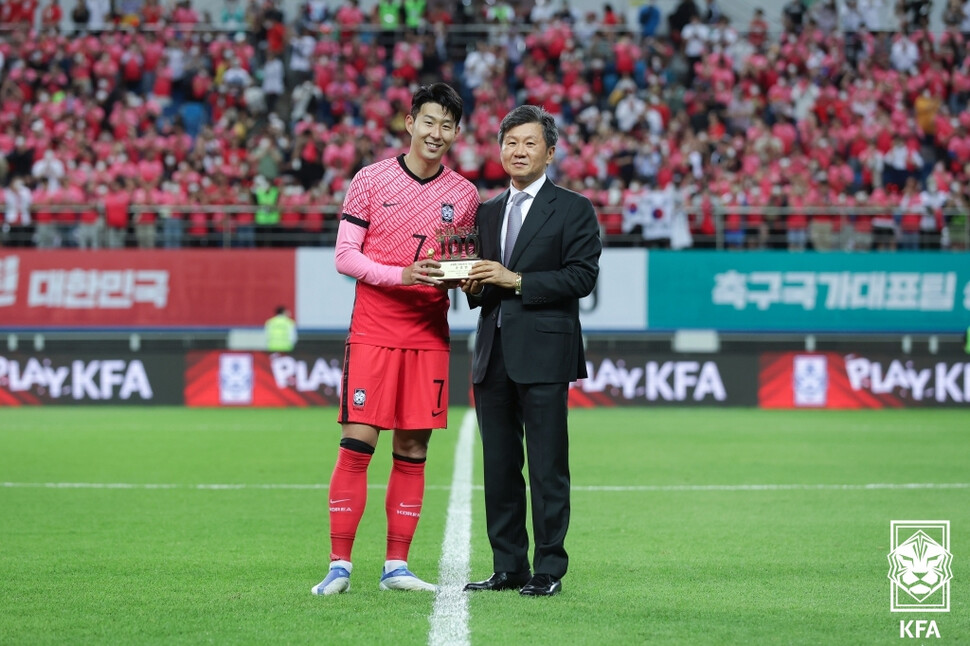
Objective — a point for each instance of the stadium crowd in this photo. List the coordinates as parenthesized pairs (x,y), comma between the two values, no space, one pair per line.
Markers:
(142,123)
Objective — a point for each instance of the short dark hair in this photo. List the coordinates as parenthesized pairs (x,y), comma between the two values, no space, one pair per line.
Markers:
(440,93)
(280,309)
(530,114)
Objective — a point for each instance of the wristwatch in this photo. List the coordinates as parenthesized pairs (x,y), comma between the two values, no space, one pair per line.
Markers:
(518,284)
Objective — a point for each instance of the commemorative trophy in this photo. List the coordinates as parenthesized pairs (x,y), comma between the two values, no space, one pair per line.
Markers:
(458,247)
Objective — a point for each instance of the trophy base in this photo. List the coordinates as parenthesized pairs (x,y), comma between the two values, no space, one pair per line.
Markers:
(456,269)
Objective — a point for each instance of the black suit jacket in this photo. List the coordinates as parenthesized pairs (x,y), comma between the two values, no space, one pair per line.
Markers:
(557,253)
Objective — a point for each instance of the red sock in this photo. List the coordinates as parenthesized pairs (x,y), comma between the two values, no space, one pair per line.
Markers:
(348,496)
(405,494)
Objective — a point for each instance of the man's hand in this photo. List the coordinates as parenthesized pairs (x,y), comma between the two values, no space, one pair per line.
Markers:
(422,272)
(451,283)
(472,287)
(489,272)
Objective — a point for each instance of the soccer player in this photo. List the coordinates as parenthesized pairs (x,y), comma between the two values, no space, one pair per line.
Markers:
(395,374)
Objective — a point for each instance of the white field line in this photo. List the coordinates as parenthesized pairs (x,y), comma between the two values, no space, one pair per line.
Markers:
(575,488)
(449,615)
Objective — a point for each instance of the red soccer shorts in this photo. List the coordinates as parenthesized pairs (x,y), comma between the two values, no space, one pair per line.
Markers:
(392,388)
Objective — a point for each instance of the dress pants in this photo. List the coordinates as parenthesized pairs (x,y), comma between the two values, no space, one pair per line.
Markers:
(506,409)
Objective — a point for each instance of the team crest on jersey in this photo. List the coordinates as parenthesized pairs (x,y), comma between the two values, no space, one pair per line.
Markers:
(360,396)
(448,213)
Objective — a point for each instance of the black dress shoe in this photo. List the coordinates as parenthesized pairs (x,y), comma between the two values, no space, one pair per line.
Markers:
(501,581)
(541,585)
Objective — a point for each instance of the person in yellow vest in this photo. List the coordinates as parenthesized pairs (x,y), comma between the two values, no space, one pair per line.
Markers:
(389,14)
(280,331)
(267,197)
(414,14)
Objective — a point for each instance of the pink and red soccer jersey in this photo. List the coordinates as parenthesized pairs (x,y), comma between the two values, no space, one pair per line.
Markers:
(402,214)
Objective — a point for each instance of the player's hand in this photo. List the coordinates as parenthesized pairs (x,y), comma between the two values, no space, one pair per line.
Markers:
(423,272)
(491,272)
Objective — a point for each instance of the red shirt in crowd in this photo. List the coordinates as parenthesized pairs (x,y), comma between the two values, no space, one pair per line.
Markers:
(51,16)
(116,203)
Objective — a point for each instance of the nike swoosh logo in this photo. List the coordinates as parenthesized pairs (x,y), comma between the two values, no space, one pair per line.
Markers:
(409,506)
(435,413)
(388,205)
(334,502)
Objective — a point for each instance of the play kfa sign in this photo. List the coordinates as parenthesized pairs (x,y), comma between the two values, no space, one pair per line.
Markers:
(919,573)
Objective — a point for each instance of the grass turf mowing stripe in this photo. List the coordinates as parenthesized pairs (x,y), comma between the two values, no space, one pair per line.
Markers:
(649,563)
(449,615)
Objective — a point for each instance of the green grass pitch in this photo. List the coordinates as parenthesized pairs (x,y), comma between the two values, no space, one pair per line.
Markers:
(689,526)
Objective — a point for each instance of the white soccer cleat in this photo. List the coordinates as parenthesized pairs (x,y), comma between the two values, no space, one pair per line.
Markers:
(337,581)
(397,576)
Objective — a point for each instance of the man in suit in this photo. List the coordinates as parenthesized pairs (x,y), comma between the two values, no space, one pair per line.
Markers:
(540,250)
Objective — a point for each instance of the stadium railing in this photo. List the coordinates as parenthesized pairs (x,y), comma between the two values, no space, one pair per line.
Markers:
(222,230)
